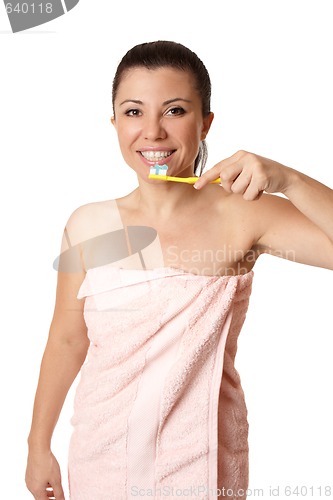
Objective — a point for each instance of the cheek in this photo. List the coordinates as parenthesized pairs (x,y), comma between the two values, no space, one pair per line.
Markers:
(127,125)
(126,134)
(192,129)
(192,137)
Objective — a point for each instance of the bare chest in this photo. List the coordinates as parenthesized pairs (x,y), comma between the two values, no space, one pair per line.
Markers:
(204,245)
(208,250)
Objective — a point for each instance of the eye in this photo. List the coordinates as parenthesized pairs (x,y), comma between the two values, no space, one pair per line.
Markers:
(177,110)
(133,112)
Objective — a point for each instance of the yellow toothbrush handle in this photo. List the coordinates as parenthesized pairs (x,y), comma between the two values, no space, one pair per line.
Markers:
(188,180)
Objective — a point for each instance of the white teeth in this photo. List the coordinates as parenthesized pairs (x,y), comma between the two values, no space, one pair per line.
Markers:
(155,155)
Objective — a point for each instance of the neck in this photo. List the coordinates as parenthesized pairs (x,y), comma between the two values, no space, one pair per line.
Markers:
(164,200)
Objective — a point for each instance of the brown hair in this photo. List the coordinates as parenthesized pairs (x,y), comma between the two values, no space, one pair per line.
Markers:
(159,54)
(153,55)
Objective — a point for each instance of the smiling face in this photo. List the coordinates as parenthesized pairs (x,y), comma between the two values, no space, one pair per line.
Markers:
(158,118)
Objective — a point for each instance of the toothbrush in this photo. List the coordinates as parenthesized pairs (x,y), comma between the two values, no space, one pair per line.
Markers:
(159,172)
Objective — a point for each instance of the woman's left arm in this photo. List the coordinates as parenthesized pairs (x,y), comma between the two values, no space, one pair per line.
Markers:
(299,228)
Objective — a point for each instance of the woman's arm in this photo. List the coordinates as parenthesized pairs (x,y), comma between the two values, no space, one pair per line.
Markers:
(299,228)
(64,355)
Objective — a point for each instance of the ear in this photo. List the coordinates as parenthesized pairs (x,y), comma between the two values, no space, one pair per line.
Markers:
(113,121)
(207,121)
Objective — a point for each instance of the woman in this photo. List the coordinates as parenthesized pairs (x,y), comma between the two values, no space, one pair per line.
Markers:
(166,274)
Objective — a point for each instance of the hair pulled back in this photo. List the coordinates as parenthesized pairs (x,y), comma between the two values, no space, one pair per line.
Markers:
(160,54)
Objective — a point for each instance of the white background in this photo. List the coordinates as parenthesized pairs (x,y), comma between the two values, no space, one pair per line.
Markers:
(271,69)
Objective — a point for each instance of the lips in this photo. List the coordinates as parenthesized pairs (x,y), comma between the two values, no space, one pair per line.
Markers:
(153,156)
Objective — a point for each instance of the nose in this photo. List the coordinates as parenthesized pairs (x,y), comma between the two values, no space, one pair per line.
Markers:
(153,128)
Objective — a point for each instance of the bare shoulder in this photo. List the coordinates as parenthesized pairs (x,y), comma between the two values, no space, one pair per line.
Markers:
(90,220)
(84,225)
(269,211)
(266,206)
(251,217)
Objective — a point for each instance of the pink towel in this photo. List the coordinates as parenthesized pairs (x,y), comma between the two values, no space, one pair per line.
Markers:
(159,410)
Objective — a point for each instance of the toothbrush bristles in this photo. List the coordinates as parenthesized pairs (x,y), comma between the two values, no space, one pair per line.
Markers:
(159,170)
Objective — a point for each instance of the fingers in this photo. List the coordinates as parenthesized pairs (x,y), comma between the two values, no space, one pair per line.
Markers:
(228,174)
(55,492)
(43,477)
(242,173)
(207,177)
(234,178)
(58,492)
(227,169)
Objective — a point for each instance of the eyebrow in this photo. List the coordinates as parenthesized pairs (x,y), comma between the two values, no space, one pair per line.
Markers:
(165,103)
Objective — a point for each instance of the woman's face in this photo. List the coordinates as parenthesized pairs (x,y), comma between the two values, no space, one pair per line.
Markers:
(158,118)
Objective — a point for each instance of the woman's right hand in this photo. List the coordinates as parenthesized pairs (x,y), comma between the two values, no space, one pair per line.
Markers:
(43,477)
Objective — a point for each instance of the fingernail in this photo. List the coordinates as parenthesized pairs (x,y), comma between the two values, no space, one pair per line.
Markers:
(196,185)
